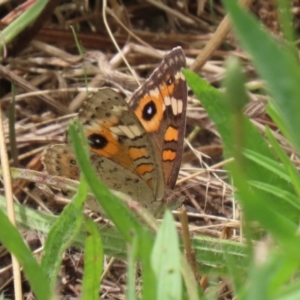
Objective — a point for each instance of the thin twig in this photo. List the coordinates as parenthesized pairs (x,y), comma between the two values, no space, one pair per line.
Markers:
(10,207)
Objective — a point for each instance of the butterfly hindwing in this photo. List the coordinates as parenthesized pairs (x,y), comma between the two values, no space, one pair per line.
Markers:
(60,160)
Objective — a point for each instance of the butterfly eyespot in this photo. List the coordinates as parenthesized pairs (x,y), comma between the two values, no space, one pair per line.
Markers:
(149,111)
(72,161)
(97,141)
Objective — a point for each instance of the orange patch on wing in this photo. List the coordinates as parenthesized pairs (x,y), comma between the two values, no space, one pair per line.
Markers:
(66,168)
(171,134)
(153,124)
(113,149)
(136,153)
(144,168)
(169,155)
(167,90)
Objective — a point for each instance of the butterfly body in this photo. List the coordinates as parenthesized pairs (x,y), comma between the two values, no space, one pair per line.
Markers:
(135,147)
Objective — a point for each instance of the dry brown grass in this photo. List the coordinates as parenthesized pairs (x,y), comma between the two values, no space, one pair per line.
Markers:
(50,87)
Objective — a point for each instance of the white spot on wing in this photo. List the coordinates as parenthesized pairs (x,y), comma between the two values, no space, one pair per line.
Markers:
(131,131)
(117,110)
(179,106)
(154,93)
(136,130)
(167,101)
(174,106)
(116,130)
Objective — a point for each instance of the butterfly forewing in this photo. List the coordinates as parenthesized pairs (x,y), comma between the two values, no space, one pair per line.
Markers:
(160,104)
(114,132)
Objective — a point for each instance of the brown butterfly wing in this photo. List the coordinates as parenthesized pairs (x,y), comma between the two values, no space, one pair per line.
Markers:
(160,105)
(114,132)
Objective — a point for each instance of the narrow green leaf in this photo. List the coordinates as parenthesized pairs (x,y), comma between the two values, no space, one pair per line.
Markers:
(268,163)
(62,233)
(272,112)
(286,196)
(23,21)
(13,242)
(166,259)
(234,81)
(285,15)
(274,64)
(93,261)
(194,292)
(131,280)
(236,98)
(145,246)
(288,164)
(259,280)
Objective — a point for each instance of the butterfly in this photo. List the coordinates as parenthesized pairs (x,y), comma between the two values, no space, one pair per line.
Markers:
(135,147)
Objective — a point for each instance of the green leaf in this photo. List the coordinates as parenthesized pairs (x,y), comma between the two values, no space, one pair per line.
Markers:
(24,20)
(166,259)
(288,164)
(279,217)
(62,233)
(268,164)
(192,286)
(13,242)
(251,139)
(269,273)
(286,196)
(290,292)
(209,251)
(276,65)
(234,81)
(93,262)
(131,280)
